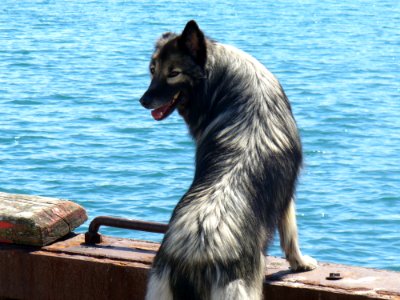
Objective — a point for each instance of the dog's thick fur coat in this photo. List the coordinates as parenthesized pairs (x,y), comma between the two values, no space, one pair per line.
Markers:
(248,158)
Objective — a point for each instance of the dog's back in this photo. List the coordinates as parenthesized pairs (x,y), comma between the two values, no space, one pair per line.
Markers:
(247,160)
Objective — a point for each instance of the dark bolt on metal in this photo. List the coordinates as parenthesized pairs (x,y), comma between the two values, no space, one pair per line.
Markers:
(334,276)
(93,237)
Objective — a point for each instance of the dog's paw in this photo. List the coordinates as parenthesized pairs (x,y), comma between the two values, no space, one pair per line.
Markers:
(303,263)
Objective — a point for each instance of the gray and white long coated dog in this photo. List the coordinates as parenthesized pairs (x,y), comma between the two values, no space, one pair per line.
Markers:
(248,156)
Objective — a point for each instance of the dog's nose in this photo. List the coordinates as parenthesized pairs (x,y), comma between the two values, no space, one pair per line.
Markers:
(145,101)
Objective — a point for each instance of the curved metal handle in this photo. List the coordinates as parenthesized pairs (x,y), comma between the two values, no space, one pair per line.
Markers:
(93,237)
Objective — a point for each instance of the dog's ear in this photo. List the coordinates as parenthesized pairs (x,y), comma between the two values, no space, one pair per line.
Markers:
(193,42)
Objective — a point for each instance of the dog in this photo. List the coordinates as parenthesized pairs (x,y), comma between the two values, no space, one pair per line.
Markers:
(248,157)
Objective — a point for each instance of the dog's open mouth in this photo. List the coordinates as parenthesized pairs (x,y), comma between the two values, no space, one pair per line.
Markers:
(165,110)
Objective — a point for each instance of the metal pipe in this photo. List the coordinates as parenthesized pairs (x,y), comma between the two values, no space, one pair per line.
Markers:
(93,237)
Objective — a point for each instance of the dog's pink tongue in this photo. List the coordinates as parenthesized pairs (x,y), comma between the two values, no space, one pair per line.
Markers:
(159,113)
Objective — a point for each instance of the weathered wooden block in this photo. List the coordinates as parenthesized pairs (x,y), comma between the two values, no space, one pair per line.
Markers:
(37,221)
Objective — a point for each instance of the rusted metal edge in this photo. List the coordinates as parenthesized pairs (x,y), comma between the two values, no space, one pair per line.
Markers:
(117,269)
(357,282)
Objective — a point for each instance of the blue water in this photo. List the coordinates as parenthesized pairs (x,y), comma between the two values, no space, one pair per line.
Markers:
(71,74)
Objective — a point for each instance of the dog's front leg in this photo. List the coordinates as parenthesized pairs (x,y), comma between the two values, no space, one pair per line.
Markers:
(290,244)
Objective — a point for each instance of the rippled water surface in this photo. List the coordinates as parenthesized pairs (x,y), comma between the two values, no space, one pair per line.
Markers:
(71,74)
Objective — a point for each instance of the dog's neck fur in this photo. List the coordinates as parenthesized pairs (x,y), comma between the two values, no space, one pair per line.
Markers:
(223,87)
(201,111)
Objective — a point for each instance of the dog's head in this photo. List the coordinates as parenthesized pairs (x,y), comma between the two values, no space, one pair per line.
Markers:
(176,67)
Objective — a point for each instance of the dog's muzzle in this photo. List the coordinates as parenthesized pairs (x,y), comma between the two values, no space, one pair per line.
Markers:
(146,101)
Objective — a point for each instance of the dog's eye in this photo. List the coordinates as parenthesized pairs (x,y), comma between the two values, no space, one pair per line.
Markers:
(152,69)
(173,74)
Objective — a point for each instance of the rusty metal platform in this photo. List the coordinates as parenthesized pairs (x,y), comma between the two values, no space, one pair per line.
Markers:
(117,269)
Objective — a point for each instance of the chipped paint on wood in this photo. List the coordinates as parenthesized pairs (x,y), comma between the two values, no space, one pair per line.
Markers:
(6,225)
(35,220)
